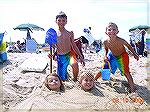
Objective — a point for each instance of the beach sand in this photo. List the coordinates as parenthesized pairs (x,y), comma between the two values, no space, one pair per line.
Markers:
(21,91)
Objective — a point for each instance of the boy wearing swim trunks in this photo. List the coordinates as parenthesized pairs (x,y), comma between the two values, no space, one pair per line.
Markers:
(117,46)
(65,41)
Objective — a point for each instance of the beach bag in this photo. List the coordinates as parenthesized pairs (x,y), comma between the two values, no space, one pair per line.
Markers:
(3,57)
(3,47)
(3,54)
(1,38)
(106,70)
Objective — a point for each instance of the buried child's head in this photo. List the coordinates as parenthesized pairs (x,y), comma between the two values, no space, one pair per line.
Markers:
(86,81)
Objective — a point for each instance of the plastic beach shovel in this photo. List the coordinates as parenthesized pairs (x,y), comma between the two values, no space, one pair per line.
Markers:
(51,38)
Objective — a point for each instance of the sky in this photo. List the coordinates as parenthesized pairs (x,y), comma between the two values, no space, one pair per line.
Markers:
(81,14)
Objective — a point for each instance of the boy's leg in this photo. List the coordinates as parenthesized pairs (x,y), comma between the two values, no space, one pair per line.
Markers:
(75,69)
(130,81)
(123,65)
(74,65)
(99,74)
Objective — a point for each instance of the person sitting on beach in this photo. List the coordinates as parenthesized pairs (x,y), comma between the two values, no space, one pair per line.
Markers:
(117,46)
(65,41)
(86,81)
(53,82)
(17,46)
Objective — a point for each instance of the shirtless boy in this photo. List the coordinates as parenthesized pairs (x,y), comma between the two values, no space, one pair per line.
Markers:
(65,41)
(117,46)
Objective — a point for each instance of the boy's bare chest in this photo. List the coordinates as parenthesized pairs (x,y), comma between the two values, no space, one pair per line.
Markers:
(63,39)
(114,44)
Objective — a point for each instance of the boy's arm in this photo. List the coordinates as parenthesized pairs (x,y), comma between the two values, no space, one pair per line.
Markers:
(131,49)
(105,51)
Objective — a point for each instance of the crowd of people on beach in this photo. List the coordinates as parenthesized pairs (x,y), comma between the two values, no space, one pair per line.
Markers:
(17,47)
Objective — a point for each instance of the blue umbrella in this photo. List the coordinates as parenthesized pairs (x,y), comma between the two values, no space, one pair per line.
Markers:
(51,38)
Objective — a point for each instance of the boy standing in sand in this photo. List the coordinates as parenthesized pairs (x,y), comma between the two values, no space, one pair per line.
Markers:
(65,41)
(117,46)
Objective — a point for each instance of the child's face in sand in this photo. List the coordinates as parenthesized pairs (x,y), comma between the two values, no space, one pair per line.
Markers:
(87,83)
(54,83)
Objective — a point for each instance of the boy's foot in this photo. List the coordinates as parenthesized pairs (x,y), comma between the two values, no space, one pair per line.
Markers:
(134,96)
(112,79)
(74,79)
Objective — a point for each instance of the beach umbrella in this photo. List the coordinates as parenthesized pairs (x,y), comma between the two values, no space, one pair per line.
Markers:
(51,39)
(28,27)
(140,27)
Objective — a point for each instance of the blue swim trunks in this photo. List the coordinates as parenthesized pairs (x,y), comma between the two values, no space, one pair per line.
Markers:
(62,63)
(121,62)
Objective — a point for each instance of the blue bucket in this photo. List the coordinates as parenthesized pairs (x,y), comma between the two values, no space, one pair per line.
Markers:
(105,74)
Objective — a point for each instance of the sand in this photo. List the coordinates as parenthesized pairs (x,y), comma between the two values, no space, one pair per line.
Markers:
(21,91)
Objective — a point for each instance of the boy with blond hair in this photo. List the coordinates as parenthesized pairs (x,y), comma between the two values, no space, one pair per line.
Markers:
(117,46)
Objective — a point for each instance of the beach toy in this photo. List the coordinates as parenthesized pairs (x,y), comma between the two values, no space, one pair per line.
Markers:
(51,38)
(106,71)
(105,74)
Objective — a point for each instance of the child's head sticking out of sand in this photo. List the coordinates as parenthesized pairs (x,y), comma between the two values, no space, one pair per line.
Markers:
(86,81)
(53,82)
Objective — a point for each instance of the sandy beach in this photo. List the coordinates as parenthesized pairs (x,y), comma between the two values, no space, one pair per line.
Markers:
(21,90)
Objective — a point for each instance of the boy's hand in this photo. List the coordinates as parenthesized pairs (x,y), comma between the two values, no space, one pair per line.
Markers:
(50,56)
(82,61)
(53,56)
(105,58)
(136,57)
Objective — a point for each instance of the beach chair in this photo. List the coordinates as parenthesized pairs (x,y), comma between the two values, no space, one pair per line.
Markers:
(31,46)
